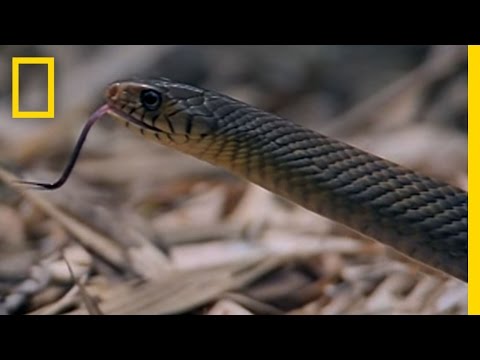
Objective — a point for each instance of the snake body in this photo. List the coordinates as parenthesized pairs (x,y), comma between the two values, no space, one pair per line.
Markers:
(418,216)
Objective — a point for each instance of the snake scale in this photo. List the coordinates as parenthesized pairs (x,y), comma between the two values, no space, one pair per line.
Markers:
(418,216)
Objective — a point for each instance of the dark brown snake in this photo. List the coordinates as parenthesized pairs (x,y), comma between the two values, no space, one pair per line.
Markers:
(420,217)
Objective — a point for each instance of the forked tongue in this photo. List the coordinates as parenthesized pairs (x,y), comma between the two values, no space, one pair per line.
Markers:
(73,158)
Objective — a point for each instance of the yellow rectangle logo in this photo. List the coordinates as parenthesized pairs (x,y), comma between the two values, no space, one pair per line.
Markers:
(16,62)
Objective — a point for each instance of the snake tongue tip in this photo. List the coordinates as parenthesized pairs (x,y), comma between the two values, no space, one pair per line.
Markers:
(36,185)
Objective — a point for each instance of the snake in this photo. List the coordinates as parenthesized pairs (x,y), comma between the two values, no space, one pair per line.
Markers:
(424,219)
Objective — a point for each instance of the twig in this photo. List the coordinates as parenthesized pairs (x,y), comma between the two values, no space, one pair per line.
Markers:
(255,306)
(90,303)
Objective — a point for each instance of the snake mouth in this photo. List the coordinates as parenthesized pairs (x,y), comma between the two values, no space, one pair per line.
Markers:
(119,114)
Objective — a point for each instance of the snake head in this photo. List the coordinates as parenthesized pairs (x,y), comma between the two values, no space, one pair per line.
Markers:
(172,112)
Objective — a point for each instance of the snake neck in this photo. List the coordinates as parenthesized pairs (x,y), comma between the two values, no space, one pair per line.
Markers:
(422,218)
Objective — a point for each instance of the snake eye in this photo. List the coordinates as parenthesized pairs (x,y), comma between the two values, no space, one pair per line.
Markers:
(151,99)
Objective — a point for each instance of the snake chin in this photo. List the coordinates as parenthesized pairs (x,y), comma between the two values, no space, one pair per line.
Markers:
(128,119)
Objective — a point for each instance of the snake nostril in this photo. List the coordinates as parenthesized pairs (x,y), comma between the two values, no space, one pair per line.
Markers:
(113,91)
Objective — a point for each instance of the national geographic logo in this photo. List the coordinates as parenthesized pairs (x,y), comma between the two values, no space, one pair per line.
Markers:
(50,112)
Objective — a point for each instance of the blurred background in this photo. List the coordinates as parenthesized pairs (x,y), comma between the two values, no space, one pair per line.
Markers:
(141,229)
